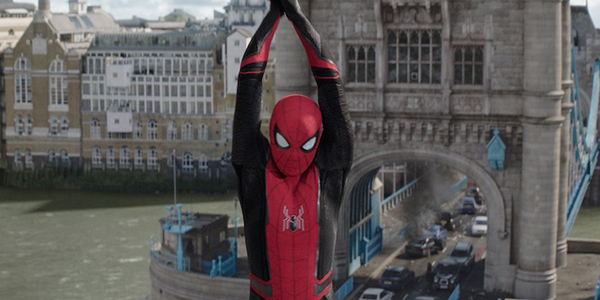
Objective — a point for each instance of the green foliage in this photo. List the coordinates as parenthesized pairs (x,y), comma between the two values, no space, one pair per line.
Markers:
(111,181)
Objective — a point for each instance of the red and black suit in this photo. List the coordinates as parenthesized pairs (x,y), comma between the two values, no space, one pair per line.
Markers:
(291,187)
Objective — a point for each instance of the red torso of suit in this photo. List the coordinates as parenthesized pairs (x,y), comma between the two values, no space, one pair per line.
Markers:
(293,236)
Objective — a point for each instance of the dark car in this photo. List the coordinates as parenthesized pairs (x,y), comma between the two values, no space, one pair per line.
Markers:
(447,274)
(424,246)
(468,206)
(438,232)
(395,278)
(463,253)
(446,220)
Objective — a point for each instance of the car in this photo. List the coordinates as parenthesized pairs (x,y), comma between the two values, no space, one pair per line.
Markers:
(424,246)
(463,253)
(376,294)
(395,278)
(476,194)
(468,206)
(446,220)
(438,232)
(479,226)
(447,274)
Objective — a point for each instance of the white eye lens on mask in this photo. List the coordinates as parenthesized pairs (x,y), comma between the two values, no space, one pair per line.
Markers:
(310,144)
(281,141)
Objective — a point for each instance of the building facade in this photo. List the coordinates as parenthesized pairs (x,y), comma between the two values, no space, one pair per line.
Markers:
(245,14)
(43,87)
(145,95)
(14,19)
(83,92)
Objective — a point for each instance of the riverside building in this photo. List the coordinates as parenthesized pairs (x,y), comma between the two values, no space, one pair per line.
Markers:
(43,86)
(83,92)
(147,94)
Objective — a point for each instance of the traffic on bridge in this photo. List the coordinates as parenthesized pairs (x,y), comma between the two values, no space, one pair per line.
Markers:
(444,245)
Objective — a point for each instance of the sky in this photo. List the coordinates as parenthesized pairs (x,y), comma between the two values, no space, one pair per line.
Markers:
(201,9)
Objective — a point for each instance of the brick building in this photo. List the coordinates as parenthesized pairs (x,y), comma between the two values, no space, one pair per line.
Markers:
(43,86)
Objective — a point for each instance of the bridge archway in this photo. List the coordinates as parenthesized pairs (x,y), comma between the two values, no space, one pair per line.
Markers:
(499,273)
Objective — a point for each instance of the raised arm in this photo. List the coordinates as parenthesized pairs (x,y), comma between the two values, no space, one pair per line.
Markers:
(335,150)
(249,146)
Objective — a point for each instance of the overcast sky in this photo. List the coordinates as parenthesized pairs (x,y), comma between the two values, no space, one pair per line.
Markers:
(201,9)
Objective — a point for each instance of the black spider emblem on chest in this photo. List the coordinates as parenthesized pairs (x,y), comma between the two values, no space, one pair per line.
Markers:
(293,222)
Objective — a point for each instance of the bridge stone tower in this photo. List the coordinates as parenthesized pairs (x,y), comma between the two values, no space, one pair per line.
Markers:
(430,81)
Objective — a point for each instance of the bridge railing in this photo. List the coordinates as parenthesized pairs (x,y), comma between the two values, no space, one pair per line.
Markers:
(398,196)
(372,247)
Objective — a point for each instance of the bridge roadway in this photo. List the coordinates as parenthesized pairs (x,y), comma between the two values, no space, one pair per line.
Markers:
(576,280)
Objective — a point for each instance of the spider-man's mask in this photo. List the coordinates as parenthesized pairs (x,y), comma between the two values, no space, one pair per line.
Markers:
(295,131)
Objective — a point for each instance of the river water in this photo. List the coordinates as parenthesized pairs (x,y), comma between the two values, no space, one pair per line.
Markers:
(83,245)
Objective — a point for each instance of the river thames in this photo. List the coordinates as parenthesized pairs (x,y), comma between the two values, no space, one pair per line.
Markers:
(84,245)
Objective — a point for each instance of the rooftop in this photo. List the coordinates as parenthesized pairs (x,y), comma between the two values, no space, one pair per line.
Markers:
(94,21)
(9,4)
(201,220)
(168,41)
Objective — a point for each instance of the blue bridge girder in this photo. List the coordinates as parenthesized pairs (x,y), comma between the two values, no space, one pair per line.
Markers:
(584,147)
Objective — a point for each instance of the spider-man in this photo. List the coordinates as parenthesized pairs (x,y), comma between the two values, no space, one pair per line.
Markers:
(291,187)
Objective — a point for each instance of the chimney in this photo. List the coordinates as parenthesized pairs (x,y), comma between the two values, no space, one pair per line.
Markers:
(43,11)
(44,5)
(78,7)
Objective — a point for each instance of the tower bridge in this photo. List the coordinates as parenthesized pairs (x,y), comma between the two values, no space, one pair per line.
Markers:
(433,81)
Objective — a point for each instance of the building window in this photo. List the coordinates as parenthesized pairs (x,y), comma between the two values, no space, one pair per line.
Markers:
(203,163)
(137,159)
(22,80)
(188,162)
(110,158)
(152,159)
(236,43)
(19,125)
(468,65)
(361,64)
(222,236)
(28,159)
(124,158)
(53,130)
(29,124)
(96,158)
(51,157)
(64,157)
(172,131)
(152,130)
(17,159)
(11,32)
(203,132)
(415,56)
(64,127)
(59,83)
(187,132)
(138,130)
(95,129)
